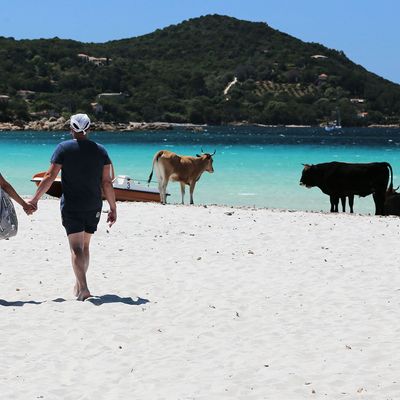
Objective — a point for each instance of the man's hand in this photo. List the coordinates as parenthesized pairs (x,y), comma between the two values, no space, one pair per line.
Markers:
(112,217)
(29,208)
(109,194)
(33,204)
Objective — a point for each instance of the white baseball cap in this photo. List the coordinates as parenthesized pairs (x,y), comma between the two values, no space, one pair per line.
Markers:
(80,123)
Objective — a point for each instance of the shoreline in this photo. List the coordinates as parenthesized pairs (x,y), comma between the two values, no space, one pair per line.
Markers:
(234,208)
(61,124)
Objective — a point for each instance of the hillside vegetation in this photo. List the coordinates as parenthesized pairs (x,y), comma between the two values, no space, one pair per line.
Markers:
(179,74)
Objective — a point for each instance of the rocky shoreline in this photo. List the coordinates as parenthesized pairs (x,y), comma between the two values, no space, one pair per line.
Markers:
(62,124)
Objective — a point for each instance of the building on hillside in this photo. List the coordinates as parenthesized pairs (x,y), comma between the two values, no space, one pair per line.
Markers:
(99,61)
(322,77)
(83,57)
(357,101)
(110,95)
(362,114)
(319,57)
(4,98)
(96,107)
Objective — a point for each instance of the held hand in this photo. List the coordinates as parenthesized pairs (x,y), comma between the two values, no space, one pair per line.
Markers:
(33,205)
(29,208)
(112,217)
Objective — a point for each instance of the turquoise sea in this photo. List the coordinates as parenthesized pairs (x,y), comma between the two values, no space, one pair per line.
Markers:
(254,166)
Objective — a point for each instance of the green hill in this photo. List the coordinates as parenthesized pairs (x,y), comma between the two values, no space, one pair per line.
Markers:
(180,73)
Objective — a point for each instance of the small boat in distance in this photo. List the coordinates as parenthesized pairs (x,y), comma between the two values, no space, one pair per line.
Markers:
(334,125)
(125,188)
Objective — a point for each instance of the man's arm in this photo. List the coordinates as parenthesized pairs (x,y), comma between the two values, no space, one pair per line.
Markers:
(14,195)
(109,194)
(47,181)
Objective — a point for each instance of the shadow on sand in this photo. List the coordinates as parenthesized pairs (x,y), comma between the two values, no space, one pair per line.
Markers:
(20,303)
(113,298)
(17,303)
(97,301)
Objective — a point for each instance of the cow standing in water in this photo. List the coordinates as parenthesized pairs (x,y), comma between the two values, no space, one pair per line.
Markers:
(186,170)
(340,179)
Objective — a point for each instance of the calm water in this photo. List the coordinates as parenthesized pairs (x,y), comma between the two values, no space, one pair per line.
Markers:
(253,166)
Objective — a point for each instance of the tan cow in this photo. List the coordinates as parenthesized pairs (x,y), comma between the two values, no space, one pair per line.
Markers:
(186,170)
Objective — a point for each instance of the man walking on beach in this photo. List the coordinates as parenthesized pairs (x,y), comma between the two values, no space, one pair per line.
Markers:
(85,170)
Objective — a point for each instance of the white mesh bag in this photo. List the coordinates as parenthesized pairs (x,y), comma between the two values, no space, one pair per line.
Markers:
(8,217)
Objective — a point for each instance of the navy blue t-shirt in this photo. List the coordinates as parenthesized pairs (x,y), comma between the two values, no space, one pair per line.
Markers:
(81,173)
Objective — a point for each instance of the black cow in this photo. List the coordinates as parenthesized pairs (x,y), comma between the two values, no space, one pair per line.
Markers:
(392,202)
(340,179)
(335,203)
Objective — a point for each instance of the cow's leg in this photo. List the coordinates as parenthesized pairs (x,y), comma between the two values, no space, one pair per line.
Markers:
(192,185)
(161,179)
(160,190)
(164,191)
(164,178)
(332,201)
(343,201)
(379,199)
(162,185)
(182,191)
(351,203)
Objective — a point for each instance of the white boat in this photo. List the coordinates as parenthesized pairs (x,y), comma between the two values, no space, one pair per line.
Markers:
(125,188)
(334,125)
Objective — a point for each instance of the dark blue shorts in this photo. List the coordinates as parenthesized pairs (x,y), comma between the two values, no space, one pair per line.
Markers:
(80,221)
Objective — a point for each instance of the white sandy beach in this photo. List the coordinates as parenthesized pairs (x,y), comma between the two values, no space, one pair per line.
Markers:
(204,303)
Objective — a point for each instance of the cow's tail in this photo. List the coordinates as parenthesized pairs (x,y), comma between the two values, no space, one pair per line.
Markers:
(390,189)
(155,159)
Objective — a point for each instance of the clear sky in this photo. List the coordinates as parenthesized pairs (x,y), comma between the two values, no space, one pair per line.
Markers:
(368,31)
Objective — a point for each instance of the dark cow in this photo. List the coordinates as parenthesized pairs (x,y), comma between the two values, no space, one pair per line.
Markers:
(335,203)
(340,179)
(392,202)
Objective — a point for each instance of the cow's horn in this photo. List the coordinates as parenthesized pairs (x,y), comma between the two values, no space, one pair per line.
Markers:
(213,153)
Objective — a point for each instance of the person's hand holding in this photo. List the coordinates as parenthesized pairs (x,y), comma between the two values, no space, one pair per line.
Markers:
(112,217)
(29,208)
(32,204)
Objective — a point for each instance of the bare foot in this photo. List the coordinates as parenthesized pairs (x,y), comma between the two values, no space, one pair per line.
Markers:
(83,295)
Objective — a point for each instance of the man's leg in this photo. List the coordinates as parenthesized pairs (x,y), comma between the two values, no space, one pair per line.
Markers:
(86,253)
(86,244)
(79,263)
